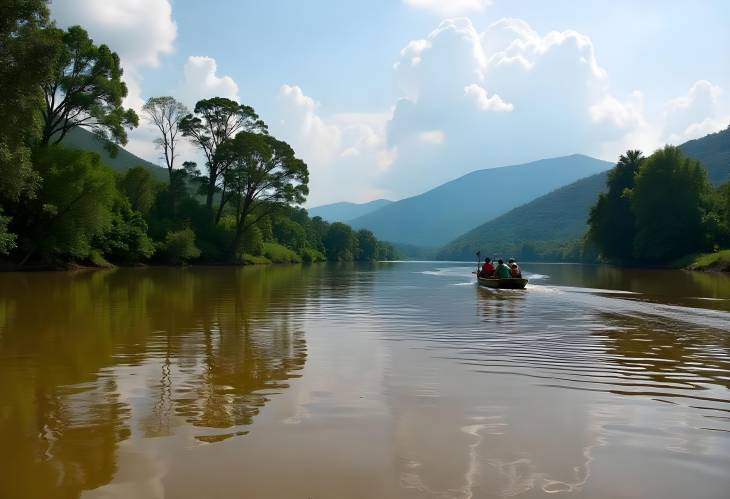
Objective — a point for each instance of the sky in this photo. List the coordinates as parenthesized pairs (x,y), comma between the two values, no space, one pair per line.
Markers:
(389,98)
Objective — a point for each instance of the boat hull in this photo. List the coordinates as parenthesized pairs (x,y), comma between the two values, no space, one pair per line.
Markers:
(496,283)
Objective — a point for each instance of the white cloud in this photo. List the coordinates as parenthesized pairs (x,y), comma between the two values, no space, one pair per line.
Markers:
(345,152)
(201,81)
(447,8)
(487,102)
(140,31)
(698,112)
(435,137)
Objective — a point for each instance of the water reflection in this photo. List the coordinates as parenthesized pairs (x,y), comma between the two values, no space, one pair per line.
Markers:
(88,359)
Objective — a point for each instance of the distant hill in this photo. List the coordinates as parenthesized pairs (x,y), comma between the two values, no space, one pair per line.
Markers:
(546,223)
(714,152)
(560,217)
(80,138)
(438,216)
(344,212)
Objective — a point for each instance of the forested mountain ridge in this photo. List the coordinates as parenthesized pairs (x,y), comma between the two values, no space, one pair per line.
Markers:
(550,226)
(713,151)
(435,217)
(539,229)
(346,211)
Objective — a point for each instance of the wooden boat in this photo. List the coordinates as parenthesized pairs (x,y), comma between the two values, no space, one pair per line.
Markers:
(497,283)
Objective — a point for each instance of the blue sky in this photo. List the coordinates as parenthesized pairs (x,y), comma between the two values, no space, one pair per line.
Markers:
(389,98)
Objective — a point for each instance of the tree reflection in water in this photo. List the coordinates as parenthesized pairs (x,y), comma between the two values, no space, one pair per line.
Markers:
(79,352)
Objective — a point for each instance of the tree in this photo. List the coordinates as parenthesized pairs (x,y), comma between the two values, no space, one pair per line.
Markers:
(367,246)
(214,122)
(26,54)
(85,90)
(670,201)
(140,189)
(166,113)
(74,205)
(340,242)
(262,174)
(611,220)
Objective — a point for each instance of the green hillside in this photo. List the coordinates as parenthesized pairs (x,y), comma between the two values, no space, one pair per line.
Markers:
(542,226)
(714,152)
(552,224)
(441,214)
(79,138)
(344,212)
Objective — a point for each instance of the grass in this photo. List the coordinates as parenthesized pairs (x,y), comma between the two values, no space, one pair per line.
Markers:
(719,261)
(277,253)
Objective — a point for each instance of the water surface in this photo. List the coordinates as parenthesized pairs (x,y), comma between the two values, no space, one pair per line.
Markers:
(398,380)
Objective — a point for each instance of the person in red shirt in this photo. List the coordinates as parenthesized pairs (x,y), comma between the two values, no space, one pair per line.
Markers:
(487,268)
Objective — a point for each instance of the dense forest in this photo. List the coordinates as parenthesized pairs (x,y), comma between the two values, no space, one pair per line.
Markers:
(658,209)
(61,205)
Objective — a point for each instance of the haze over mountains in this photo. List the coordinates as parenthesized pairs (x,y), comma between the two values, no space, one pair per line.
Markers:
(438,216)
(344,212)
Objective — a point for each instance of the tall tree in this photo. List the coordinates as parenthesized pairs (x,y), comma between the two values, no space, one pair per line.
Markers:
(85,90)
(262,174)
(611,220)
(214,122)
(670,200)
(26,55)
(166,113)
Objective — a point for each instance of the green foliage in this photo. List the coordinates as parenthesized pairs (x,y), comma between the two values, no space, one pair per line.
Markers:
(367,246)
(340,243)
(139,188)
(213,123)
(126,241)
(277,253)
(74,205)
(310,255)
(611,220)
(179,247)
(262,174)
(670,202)
(7,238)
(85,90)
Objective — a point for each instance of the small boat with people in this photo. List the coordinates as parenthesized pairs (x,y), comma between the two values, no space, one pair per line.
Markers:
(503,276)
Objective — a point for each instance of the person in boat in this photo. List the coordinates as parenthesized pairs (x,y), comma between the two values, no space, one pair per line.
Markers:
(503,271)
(487,268)
(515,269)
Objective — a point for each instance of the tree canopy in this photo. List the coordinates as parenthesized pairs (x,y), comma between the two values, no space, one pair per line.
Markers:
(85,89)
(214,122)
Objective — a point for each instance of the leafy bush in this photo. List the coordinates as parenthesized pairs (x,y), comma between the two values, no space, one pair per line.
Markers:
(179,246)
(280,254)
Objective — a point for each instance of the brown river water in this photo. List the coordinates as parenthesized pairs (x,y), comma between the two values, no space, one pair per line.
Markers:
(392,380)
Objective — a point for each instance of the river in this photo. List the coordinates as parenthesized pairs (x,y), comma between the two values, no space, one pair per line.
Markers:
(389,380)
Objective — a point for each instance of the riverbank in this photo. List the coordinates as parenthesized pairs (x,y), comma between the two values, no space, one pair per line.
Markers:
(718,261)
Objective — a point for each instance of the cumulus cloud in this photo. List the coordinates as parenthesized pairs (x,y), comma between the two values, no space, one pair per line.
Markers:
(486,102)
(447,8)
(344,151)
(698,112)
(436,137)
(503,95)
(201,81)
(140,31)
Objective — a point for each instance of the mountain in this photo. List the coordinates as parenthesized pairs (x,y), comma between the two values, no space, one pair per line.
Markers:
(344,212)
(550,223)
(543,225)
(80,138)
(714,152)
(438,216)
